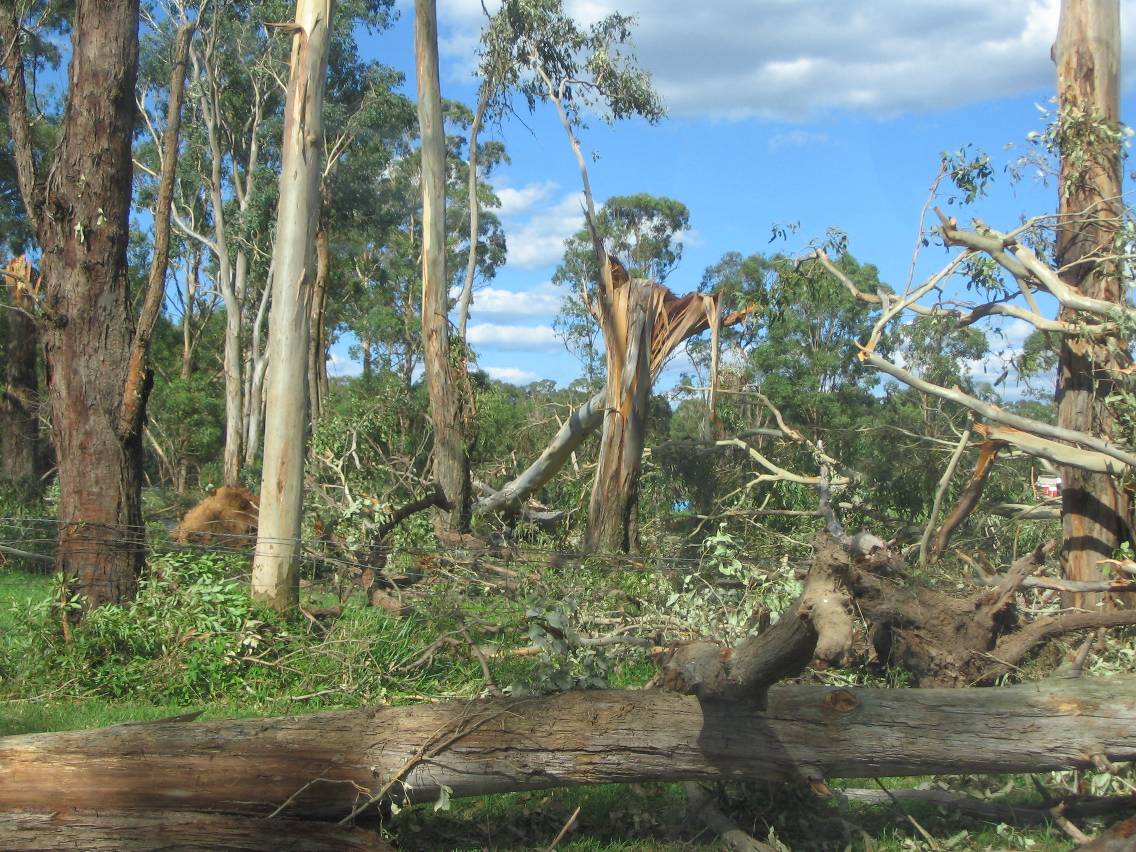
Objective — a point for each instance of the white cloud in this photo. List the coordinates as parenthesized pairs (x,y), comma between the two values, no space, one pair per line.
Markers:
(512,375)
(542,300)
(516,201)
(496,336)
(539,240)
(793,60)
(342,365)
(1016,331)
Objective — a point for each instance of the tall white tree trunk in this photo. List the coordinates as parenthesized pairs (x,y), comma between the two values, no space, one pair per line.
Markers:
(447,405)
(275,578)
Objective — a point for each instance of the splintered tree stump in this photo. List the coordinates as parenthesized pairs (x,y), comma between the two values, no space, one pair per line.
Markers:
(326,761)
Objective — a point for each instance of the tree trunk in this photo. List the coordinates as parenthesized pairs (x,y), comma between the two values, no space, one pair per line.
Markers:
(122,831)
(474,210)
(83,233)
(259,367)
(317,345)
(451,464)
(192,285)
(275,575)
(252,766)
(613,508)
(234,393)
(580,423)
(1095,509)
(20,451)
(139,373)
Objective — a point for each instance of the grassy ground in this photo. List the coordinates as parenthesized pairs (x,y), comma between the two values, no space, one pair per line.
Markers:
(194,642)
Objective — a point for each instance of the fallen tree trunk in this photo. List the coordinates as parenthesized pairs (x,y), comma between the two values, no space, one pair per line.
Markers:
(580,423)
(116,831)
(325,765)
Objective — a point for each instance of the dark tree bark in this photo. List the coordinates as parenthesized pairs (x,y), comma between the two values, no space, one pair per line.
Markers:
(317,344)
(80,213)
(21,453)
(447,388)
(1095,509)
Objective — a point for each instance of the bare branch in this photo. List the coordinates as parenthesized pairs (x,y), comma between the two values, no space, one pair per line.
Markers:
(130,414)
(940,492)
(999,415)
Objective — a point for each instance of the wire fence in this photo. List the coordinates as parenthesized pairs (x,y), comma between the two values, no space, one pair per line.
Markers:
(31,543)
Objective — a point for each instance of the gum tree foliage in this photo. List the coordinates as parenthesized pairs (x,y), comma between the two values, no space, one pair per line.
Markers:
(227,190)
(383,238)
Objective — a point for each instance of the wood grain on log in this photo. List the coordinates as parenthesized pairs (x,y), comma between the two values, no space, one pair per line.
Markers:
(116,831)
(253,765)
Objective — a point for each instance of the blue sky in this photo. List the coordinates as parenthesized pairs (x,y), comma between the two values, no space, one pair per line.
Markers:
(827,113)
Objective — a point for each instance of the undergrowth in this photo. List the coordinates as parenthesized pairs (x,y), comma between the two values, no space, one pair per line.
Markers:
(193,636)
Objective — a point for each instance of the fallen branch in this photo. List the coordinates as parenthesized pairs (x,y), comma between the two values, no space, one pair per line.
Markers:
(582,422)
(969,497)
(250,766)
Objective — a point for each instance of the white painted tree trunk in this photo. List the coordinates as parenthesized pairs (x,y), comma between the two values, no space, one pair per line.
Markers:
(275,577)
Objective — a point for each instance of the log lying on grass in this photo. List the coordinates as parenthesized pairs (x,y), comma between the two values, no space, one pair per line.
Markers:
(115,831)
(326,765)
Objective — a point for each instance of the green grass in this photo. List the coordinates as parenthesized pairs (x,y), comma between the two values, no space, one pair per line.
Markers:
(161,659)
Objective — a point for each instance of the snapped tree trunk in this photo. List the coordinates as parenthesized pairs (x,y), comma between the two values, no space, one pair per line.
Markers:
(21,454)
(82,228)
(613,508)
(252,766)
(447,408)
(1095,509)
(275,576)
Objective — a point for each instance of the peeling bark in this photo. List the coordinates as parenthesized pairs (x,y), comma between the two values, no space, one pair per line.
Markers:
(446,387)
(1095,510)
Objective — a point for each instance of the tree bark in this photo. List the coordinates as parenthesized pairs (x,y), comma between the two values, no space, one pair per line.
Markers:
(122,831)
(613,507)
(252,766)
(447,411)
(275,574)
(1095,510)
(83,233)
(20,449)
(317,345)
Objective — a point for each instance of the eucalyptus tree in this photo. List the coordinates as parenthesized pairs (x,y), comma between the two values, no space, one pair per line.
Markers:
(275,570)
(22,450)
(1085,276)
(236,98)
(447,382)
(96,350)
(1096,509)
(379,234)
